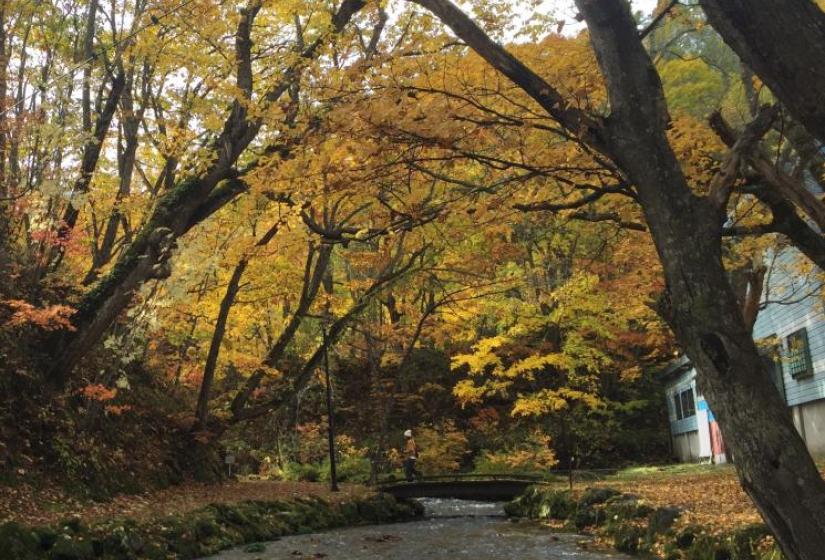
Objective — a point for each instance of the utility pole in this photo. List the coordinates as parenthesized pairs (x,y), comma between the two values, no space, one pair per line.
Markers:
(333,477)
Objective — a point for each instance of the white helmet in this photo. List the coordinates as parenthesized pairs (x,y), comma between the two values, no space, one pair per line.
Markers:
(408,433)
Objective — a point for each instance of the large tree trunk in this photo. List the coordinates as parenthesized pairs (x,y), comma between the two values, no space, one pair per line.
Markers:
(773,464)
(783,41)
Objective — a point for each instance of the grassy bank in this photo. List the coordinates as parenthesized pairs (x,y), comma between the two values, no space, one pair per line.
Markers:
(632,524)
(196,533)
(47,504)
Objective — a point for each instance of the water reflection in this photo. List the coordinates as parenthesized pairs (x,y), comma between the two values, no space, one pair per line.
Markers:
(453,529)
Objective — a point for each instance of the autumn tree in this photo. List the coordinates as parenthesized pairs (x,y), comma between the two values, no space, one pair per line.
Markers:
(198,196)
(772,461)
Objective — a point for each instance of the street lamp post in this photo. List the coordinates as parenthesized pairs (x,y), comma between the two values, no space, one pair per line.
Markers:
(333,477)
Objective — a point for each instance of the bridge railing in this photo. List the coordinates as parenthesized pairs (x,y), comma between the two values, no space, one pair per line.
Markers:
(457,477)
(556,476)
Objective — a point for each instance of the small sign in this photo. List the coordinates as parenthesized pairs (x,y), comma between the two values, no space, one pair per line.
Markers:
(229,459)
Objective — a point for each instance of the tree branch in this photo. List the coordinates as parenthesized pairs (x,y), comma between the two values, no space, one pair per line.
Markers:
(574,120)
(722,183)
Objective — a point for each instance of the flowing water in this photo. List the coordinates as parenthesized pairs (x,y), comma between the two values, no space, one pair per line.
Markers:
(452,530)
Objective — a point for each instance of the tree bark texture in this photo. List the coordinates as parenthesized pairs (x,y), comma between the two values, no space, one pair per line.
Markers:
(783,41)
(772,461)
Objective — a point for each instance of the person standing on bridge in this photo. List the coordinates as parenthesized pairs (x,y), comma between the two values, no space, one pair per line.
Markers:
(410,456)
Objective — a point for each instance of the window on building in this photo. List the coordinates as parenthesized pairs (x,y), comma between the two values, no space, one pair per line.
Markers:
(677,406)
(771,352)
(684,403)
(799,355)
(688,403)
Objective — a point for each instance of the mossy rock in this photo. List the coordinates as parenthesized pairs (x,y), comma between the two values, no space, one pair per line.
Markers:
(72,525)
(72,548)
(586,516)
(593,496)
(19,543)
(744,541)
(539,503)
(686,537)
(411,509)
(628,538)
(381,508)
(707,547)
(46,536)
(255,547)
(349,511)
(247,521)
(206,526)
(627,506)
(117,541)
(199,533)
(661,520)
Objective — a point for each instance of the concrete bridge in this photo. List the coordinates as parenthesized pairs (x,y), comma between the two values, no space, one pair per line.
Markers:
(480,487)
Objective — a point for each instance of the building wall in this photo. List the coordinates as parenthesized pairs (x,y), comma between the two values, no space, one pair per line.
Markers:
(810,421)
(684,432)
(795,301)
(782,319)
(686,447)
(683,381)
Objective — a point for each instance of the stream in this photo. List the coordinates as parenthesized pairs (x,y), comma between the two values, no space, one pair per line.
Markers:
(452,529)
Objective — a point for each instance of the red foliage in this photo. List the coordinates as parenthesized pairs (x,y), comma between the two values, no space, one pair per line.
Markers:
(98,392)
(50,318)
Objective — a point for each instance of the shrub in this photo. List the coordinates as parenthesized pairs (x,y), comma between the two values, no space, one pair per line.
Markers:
(302,472)
(349,469)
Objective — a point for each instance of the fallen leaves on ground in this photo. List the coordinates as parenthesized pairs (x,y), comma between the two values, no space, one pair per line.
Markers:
(43,506)
(711,496)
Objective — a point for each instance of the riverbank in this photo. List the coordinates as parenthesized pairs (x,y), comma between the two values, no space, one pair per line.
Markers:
(451,530)
(631,523)
(49,504)
(202,531)
(709,495)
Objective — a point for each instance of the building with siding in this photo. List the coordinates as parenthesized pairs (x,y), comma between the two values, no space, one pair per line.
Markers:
(695,434)
(790,330)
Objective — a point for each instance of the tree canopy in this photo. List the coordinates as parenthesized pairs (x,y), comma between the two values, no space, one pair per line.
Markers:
(487,218)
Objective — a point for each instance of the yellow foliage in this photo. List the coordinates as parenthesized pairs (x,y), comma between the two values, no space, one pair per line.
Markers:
(441,449)
(533,454)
